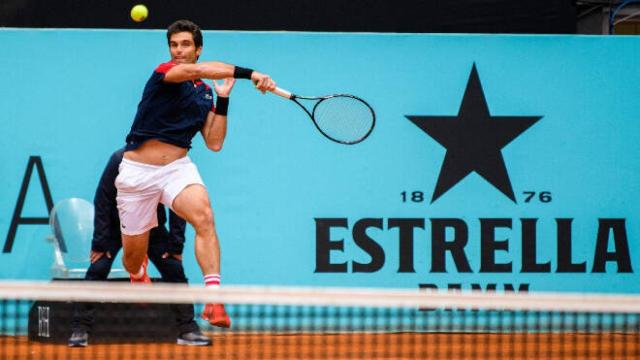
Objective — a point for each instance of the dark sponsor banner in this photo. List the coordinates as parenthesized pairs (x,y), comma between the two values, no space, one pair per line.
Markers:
(462,16)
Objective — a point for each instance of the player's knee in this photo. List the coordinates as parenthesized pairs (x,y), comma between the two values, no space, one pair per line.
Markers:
(202,220)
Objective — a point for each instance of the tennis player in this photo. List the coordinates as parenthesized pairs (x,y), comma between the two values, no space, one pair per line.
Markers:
(165,251)
(175,105)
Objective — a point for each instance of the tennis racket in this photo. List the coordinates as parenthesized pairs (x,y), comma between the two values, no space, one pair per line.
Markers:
(343,118)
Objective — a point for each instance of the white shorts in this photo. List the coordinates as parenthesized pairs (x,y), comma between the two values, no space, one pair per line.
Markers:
(142,186)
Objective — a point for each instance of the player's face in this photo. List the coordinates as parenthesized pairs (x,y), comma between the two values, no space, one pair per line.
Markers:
(183,49)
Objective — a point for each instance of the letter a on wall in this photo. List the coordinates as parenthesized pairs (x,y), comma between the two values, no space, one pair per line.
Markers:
(17,219)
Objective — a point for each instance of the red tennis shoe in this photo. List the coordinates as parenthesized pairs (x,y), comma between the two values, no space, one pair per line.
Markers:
(216,315)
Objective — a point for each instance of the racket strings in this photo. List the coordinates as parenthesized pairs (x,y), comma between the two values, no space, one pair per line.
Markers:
(344,119)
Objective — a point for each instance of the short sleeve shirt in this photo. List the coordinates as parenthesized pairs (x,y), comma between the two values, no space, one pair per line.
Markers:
(170,112)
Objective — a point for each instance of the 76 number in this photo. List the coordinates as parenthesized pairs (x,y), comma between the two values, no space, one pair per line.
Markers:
(543,196)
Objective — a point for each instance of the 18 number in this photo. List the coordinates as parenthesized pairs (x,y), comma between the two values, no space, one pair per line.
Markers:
(414,196)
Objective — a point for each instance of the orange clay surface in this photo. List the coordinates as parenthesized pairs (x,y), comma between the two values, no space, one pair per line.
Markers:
(349,346)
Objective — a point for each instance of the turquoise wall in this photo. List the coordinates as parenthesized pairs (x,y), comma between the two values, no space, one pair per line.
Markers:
(69,97)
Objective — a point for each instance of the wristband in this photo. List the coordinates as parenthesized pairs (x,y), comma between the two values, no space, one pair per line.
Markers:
(222,105)
(242,73)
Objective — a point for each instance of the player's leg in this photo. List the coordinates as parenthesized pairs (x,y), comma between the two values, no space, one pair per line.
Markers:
(192,204)
(172,271)
(137,199)
(134,257)
(185,194)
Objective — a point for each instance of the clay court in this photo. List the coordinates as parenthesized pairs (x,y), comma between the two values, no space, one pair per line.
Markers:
(350,346)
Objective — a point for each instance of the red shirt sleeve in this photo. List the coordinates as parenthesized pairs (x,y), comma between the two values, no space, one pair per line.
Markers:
(213,103)
(165,67)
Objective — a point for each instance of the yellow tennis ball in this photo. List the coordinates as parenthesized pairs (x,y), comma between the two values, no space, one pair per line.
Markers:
(139,13)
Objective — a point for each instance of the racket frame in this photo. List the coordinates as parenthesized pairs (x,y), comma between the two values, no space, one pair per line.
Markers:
(293,97)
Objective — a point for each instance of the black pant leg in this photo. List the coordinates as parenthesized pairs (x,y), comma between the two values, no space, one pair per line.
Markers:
(84,313)
(172,271)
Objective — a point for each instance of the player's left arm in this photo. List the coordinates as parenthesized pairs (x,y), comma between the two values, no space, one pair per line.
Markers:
(214,130)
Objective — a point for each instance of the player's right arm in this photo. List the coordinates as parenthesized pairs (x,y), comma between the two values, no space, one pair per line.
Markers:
(215,70)
(206,70)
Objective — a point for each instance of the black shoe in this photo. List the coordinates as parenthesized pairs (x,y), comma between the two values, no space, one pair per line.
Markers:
(193,338)
(79,338)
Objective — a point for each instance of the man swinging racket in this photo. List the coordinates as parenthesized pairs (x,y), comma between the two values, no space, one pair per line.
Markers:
(165,251)
(175,105)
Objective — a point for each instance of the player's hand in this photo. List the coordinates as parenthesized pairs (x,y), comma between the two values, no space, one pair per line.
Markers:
(263,82)
(175,256)
(224,89)
(96,255)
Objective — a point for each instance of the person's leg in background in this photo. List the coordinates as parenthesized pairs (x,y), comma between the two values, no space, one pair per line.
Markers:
(172,271)
(84,313)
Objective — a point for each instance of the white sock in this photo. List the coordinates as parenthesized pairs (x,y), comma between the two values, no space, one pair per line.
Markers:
(212,280)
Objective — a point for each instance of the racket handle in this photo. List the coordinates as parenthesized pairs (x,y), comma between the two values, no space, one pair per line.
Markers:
(284,93)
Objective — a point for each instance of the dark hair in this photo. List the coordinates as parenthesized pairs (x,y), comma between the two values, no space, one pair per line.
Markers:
(185,26)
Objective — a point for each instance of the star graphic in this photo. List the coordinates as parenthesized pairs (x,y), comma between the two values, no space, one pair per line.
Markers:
(474,140)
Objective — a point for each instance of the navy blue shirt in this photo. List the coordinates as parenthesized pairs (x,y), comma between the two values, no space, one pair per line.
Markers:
(170,112)
(106,229)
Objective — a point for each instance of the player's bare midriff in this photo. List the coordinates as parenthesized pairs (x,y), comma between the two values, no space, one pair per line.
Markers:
(156,152)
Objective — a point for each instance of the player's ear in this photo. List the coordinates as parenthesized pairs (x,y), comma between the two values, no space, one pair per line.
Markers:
(198,51)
